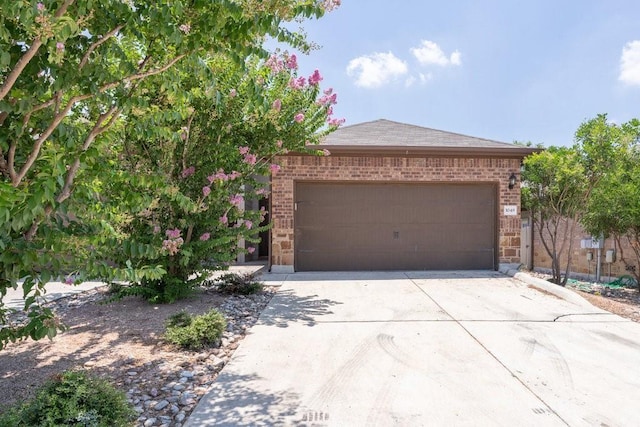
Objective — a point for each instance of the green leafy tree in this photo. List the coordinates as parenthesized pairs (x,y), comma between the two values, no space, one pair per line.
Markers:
(553,192)
(74,76)
(611,154)
(213,159)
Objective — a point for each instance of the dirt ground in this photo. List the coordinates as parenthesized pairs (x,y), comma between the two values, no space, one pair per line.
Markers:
(108,339)
(625,304)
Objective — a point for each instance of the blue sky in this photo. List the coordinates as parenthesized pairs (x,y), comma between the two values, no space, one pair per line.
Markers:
(499,69)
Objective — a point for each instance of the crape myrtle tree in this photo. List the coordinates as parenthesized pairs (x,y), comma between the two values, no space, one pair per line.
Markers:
(553,191)
(611,154)
(74,78)
(210,161)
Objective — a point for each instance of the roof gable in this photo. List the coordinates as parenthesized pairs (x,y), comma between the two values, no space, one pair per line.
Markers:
(388,136)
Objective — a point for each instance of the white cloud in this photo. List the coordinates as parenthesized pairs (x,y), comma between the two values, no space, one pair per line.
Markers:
(375,70)
(410,81)
(429,53)
(424,78)
(421,78)
(456,58)
(630,63)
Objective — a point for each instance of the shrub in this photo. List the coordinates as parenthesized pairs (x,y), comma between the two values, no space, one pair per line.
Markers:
(158,291)
(72,398)
(194,333)
(242,284)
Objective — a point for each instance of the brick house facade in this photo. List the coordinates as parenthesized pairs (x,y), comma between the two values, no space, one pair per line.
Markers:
(442,162)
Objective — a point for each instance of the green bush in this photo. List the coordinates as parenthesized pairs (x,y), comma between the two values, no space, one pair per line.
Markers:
(158,291)
(72,399)
(197,332)
(241,284)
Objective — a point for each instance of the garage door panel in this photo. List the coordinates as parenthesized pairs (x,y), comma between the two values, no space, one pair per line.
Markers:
(394,226)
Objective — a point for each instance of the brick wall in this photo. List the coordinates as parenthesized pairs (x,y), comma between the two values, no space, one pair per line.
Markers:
(580,265)
(392,169)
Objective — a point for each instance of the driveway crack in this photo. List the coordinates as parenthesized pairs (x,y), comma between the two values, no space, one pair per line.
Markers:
(582,314)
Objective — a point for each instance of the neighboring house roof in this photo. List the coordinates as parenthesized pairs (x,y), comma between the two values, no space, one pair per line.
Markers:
(389,137)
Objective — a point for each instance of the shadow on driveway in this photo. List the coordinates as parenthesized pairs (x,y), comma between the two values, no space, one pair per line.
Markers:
(240,405)
(287,308)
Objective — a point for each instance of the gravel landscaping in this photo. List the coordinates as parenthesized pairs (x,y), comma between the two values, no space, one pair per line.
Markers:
(122,341)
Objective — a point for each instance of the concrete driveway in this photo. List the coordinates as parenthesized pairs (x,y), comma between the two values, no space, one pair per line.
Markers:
(434,348)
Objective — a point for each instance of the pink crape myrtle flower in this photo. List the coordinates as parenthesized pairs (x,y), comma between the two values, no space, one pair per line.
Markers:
(277,105)
(250,159)
(275,64)
(261,191)
(188,171)
(243,150)
(172,245)
(236,200)
(173,242)
(328,99)
(173,234)
(298,117)
(251,249)
(60,46)
(234,174)
(315,78)
(233,93)
(206,191)
(218,176)
(292,62)
(335,122)
(68,280)
(329,5)
(326,152)
(223,219)
(205,236)
(248,224)
(297,83)
(40,7)
(185,28)
(274,168)
(156,229)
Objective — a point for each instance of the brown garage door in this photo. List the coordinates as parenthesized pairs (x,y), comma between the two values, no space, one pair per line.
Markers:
(345,226)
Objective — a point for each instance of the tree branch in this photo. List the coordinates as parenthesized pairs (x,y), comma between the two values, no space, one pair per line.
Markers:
(65,193)
(98,128)
(35,151)
(97,44)
(28,56)
(154,71)
(55,99)
(186,142)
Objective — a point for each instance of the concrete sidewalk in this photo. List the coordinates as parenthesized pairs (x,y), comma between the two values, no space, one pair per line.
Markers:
(434,348)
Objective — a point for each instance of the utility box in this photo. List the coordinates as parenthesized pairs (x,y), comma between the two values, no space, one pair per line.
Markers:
(610,256)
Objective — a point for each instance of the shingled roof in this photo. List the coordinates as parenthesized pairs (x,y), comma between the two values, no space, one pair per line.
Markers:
(389,137)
